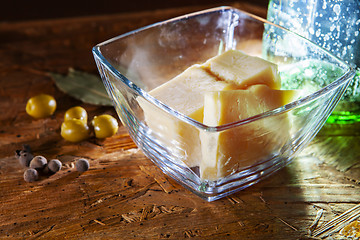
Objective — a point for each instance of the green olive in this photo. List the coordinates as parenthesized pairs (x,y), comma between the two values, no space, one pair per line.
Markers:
(41,106)
(76,113)
(104,126)
(75,130)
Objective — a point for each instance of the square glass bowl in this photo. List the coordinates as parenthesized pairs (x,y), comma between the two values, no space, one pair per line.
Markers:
(134,63)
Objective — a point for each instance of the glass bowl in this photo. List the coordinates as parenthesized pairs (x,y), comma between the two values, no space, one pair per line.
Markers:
(134,63)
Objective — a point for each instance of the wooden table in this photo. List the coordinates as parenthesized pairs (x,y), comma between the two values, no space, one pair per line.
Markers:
(123,195)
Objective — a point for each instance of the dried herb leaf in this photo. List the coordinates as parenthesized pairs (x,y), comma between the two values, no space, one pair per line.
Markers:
(83,86)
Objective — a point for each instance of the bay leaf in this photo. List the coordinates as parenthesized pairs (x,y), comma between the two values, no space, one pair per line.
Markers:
(83,86)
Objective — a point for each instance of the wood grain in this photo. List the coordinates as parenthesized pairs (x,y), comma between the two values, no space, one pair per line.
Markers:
(123,195)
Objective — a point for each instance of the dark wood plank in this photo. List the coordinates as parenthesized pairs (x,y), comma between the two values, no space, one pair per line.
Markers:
(123,195)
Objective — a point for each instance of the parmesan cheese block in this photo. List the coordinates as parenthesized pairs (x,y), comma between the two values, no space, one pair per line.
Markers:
(227,151)
(185,94)
(243,70)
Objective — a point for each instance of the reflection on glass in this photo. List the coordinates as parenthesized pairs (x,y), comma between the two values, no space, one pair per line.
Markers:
(333,25)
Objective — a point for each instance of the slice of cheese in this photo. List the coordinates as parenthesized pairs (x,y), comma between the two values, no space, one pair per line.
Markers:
(185,94)
(227,151)
(243,70)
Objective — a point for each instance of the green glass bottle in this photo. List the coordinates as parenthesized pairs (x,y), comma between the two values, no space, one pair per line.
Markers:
(335,26)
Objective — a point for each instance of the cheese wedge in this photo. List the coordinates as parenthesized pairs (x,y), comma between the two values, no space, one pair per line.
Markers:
(243,70)
(185,94)
(227,151)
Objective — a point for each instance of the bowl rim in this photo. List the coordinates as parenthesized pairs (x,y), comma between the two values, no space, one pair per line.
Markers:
(350,73)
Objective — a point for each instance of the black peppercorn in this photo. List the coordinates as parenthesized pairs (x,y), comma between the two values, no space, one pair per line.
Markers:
(31,175)
(82,165)
(54,165)
(38,163)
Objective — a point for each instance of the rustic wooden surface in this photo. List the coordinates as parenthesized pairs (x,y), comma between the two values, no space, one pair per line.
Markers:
(123,195)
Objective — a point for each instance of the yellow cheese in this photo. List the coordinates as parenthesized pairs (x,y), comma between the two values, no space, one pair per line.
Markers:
(243,70)
(185,94)
(240,147)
